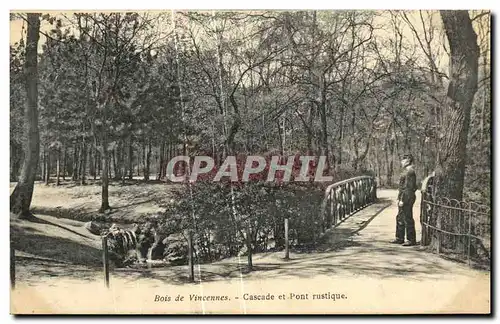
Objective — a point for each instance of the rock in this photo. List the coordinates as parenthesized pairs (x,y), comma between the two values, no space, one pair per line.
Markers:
(94,227)
(158,248)
(176,251)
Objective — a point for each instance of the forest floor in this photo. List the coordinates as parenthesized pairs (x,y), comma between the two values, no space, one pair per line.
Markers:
(130,202)
(58,267)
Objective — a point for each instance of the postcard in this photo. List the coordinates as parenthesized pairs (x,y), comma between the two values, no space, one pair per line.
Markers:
(250,162)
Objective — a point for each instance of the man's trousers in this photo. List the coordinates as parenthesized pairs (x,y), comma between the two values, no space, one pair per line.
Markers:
(404,221)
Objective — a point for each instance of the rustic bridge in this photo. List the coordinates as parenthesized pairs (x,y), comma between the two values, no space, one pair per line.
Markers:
(458,228)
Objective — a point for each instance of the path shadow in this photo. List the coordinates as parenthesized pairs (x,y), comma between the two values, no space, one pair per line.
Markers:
(375,260)
(136,203)
(179,274)
(56,248)
(33,270)
(46,222)
(361,265)
(74,213)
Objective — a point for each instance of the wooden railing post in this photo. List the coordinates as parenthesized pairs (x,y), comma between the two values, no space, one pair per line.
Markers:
(425,215)
(249,246)
(190,256)
(469,236)
(105,260)
(287,244)
(349,198)
(439,235)
(423,220)
(333,207)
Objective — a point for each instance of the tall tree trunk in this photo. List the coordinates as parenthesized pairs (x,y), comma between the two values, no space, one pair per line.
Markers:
(44,165)
(64,162)
(170,155)
(165,161)
(105,163)
(324,128)
(138,164)
(377,158)
(144,159)
(123,168)
(75,163)
(98,162)
(115,167)
(356,154)
(14,161)
(122,165)
(47,169)
(354,139)
(130,159)
(83,163)
(464,54)
(110,169)
(91,161)
(148,161)
(58,164)
(119,160)
(281,139)
(389,152)
(485,93)
(341,133)
(20,199)
(160,166)
(310,134)
(104,180)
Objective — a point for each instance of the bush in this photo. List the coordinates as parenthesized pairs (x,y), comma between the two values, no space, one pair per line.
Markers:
(219,214)
(219,217)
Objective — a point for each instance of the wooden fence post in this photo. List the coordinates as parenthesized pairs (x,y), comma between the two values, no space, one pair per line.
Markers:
(105,260)
(12,267)
(249,247)
(190,256)
(287,245)
(349,199)
(469,235)
(423,220)
(439,234)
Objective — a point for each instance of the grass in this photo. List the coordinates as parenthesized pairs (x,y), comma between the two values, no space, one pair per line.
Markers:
(130,203)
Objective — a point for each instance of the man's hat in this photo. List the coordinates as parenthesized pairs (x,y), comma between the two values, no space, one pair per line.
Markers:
(407,156)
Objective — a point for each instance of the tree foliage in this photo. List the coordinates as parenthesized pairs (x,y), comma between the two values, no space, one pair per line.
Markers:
(122,93)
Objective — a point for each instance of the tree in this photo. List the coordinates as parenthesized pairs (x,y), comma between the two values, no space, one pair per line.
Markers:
(454,128)
(17,105)
(20,199)
(127,91)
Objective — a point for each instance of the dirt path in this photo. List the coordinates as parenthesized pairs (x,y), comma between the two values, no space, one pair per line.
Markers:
(355,260)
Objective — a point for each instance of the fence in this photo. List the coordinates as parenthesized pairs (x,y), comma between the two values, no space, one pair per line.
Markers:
(458,229)
(344,198)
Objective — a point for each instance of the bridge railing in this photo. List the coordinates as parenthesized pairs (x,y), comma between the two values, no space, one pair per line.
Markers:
(344,198)
(458,229)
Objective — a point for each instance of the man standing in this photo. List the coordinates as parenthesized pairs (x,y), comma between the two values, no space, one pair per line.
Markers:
(406,199)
